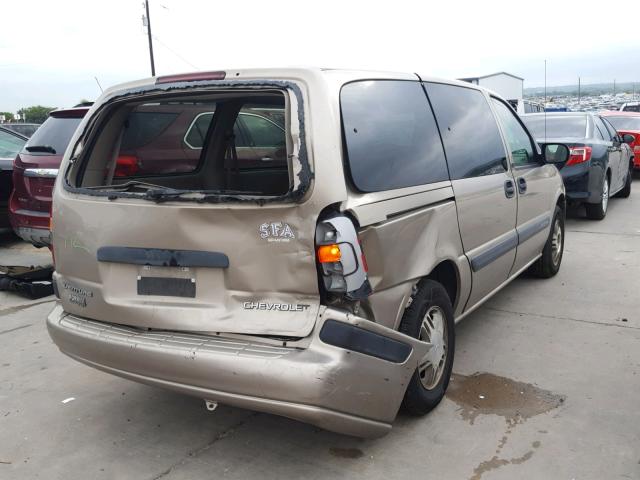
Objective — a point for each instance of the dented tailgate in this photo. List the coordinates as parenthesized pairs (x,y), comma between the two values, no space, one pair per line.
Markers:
(269,286)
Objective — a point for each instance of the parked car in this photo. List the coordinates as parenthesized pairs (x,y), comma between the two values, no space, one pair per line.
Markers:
(34,173)
(600,163)
(630,107)
(317,275)
(627,123)
(10,144)
(26,129)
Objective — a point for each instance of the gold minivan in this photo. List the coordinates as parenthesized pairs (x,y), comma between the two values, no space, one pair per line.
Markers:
(296,241)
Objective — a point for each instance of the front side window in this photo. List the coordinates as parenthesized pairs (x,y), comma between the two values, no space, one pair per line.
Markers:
(469,131)
(10,145)
(391,137)
(612,131)
(517,138)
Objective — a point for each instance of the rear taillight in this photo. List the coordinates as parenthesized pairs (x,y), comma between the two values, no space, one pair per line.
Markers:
(341,261)
(636,149)
(578,155)
(126,166)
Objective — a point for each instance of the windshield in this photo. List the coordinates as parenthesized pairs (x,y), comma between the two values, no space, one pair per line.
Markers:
(572,126)
(625,123)
(55,132)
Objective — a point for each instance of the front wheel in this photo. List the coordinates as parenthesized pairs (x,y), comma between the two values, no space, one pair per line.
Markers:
(429,318)
(597,211)
(549,263)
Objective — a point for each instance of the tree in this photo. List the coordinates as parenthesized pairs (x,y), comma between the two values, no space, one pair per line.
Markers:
(8,116)
(35,114)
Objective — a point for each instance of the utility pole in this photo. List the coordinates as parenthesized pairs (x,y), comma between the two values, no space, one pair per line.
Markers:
(153,67)
(614,87)
(578,93)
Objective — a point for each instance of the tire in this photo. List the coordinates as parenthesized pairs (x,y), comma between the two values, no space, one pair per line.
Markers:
(597,211)
(549,263)
(626,190)
(428,385)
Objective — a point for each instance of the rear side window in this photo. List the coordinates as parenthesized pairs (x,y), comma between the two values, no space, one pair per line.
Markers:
(557,126)
(55,132)
(469,131)
(390,134)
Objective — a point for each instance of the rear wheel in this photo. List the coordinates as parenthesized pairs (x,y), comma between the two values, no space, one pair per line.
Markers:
(549,263)
(430,319)
(597,211)
(626,190)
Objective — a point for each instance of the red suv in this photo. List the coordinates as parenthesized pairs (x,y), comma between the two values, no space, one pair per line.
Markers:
(627,123)
(34,174)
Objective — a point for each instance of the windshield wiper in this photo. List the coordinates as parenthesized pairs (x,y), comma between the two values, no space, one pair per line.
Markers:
(41,148)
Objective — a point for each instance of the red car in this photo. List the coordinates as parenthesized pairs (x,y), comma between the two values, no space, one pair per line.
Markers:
(627,123)
(34,174)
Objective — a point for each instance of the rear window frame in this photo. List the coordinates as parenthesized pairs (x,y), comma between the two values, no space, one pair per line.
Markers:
(87,134)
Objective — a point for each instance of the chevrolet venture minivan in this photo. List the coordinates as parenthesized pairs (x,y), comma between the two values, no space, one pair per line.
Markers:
(310,257)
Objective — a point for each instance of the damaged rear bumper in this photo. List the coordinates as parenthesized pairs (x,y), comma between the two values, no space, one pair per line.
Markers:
(350,377)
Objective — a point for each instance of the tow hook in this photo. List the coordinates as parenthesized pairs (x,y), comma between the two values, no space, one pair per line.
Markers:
(211,405)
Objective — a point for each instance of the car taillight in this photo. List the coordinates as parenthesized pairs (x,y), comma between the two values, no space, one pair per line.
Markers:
(126,166)
(578,155)
(341,261)
(636,149)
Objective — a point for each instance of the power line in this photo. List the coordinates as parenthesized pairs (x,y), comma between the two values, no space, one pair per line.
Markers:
(174,52)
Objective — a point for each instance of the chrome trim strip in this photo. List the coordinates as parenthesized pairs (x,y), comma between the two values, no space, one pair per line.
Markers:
(41,172)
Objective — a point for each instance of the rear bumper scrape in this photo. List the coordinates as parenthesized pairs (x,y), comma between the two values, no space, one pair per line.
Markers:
(353,390)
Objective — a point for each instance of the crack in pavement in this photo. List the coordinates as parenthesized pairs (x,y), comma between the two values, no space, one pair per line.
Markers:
(10,310)
(194,453)
(14,329)
(541,315)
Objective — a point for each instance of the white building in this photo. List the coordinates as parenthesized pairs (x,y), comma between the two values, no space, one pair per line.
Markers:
(508,86)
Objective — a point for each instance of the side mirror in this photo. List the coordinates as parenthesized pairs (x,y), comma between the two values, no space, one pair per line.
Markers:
(555,153)
(628,138)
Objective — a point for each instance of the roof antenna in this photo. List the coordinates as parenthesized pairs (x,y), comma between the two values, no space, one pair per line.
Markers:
(545,100)
(98,82)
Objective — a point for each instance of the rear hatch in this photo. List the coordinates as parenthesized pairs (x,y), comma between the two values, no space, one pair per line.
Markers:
(37,164)
(183,211)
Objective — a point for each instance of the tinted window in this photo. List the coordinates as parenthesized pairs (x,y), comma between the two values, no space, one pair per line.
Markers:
(557,126)
(469,130)
(10,145)
(198,130)
(625,123)
(601,129)
(260,131)
(142,127)
(55,132)
(631,108)
(391,137)
(612,131)
(517,138)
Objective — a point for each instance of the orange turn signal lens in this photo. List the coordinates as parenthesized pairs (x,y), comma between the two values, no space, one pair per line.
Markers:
(329,253)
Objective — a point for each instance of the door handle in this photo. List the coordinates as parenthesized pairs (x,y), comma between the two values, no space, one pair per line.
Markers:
(266,159)
(522,185)
(509,189)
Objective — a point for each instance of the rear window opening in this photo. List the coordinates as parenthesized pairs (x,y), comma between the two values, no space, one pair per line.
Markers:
(171,146)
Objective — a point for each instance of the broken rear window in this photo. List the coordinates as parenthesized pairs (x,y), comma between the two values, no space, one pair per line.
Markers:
(225,144)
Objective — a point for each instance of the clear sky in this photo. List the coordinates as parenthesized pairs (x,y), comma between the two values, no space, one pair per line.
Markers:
(51,50)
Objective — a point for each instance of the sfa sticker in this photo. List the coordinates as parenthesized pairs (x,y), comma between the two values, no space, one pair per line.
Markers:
(279,307)
(276,232)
